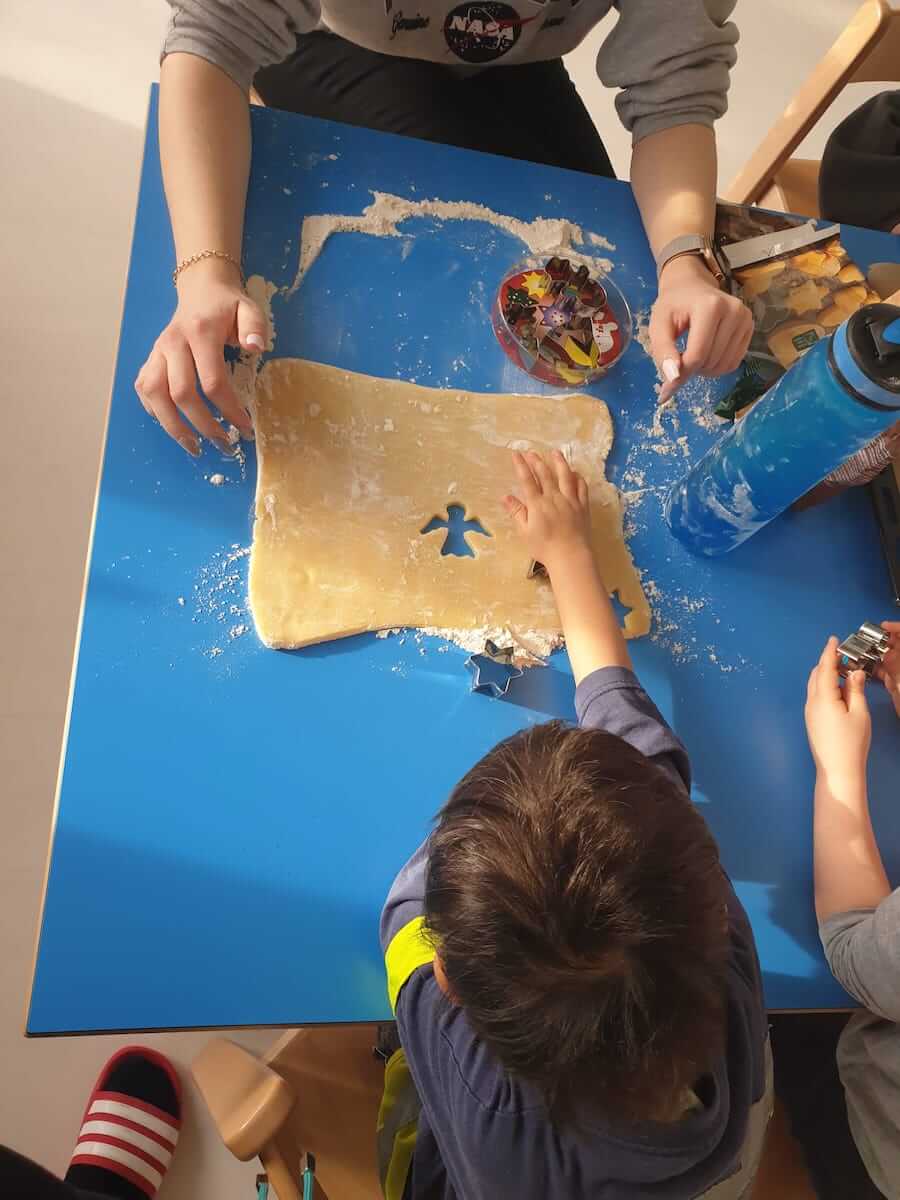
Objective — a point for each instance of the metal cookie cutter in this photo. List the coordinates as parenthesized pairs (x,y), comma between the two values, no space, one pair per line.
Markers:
(863,651)
(493,669)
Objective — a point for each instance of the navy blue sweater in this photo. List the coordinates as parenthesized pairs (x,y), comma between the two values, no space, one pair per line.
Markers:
(484,1135)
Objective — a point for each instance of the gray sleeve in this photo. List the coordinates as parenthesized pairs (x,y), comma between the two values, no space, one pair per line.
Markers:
(863,950)
(671,59)
(238,36)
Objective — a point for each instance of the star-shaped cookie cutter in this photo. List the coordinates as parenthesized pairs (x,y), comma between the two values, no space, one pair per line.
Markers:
(493,670)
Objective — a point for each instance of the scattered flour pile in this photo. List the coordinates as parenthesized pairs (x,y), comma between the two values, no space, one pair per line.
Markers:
(382,217)
(221,593)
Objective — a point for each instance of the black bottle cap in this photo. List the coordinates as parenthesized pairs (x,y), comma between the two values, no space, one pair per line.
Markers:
(873,340)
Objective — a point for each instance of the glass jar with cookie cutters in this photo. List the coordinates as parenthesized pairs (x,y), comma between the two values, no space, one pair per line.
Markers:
(559,321)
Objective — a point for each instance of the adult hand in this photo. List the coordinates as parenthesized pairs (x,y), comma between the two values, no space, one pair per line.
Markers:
(213,309)
(719,326)
(837,719)
(889,671)
(552,511)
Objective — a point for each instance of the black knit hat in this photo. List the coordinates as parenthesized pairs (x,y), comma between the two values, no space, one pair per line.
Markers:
(859,181)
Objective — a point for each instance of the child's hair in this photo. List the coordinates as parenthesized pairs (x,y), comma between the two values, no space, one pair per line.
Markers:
(575,897)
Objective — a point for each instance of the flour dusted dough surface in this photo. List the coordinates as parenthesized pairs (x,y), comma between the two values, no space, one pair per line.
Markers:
(351,468)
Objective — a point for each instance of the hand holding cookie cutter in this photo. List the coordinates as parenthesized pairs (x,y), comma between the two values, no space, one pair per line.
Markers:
(864,650)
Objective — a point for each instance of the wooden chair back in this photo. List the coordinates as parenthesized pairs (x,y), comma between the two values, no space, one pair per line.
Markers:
(867,51)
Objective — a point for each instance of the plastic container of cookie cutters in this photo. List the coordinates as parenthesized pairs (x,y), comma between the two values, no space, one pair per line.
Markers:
(559,322)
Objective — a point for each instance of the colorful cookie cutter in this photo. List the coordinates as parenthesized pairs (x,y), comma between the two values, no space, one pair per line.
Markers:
(559,324)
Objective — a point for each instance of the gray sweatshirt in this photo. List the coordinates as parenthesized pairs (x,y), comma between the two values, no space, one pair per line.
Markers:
(863,951)
(669,58)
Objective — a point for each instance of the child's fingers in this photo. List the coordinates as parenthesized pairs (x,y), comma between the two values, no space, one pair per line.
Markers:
(566,478)
(542,473)
(515,509)
(812,684)
(583,492)
(525,476)
(828,681)
(855,691)
(891,626)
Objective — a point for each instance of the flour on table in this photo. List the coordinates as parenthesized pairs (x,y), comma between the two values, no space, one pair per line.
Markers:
(597,239)
(642,331)
(381,218)
(216,480)
(530,647)
(220,595)
(681,613)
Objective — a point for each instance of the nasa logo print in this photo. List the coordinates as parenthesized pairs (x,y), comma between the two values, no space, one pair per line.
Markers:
(484,31)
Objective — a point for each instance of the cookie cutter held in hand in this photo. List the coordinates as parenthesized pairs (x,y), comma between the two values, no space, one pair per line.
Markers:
(864,650)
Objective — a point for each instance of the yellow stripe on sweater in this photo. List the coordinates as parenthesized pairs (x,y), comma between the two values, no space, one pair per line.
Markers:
(408,950)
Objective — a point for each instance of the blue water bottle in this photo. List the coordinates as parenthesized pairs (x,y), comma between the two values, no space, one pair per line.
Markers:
(833,401)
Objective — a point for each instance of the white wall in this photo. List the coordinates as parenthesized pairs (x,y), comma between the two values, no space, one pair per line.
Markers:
(781,41)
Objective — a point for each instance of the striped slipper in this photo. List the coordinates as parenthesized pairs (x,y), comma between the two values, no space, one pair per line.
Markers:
(130,1127)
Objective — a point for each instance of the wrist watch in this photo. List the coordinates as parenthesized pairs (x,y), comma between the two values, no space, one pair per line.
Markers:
(699,245)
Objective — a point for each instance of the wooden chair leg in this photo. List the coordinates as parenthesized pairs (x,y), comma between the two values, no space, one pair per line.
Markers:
(249,1103)
(332,1070)
(284,1180)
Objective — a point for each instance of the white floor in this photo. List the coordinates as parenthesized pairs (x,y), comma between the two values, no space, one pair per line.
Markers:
(73,85)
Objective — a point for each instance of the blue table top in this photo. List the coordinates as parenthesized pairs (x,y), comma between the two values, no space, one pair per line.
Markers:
(230,818)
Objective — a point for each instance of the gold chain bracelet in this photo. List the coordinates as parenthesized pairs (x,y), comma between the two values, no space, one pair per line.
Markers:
(195,258)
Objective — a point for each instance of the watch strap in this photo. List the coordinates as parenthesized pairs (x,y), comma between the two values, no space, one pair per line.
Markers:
(692,243)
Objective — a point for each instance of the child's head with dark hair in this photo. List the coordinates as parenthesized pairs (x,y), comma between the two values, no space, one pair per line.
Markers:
(578,910)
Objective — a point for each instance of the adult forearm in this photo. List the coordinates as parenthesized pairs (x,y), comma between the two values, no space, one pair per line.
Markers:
(204,135)
(849,872)
(673,174)
(593,636)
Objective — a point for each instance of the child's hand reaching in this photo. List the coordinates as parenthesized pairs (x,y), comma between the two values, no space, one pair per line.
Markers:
(837,719)
(553,514)
(889,671)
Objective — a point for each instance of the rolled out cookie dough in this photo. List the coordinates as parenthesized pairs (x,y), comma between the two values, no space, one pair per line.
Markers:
(352,469)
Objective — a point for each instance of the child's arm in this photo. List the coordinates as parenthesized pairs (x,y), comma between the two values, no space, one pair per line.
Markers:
(552,512)
(849,873)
